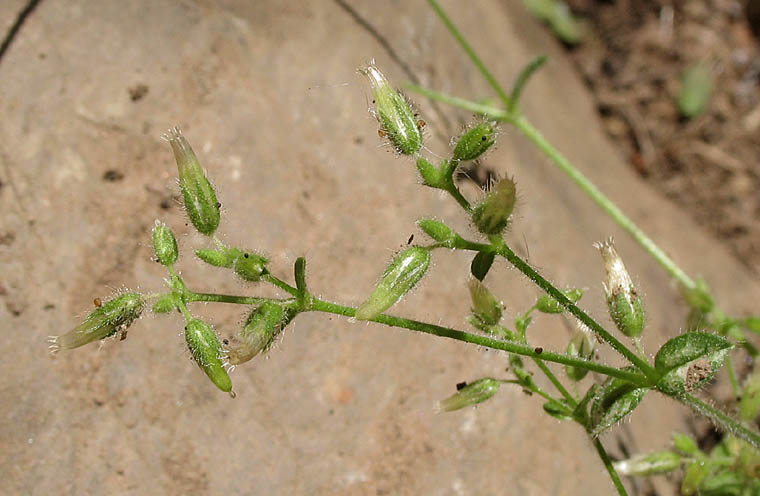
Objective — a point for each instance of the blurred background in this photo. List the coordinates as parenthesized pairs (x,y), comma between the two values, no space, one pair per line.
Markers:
(656,102)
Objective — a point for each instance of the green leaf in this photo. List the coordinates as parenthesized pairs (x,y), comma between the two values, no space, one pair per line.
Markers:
(615,399)
(690,360)
(481,264)
(558,410)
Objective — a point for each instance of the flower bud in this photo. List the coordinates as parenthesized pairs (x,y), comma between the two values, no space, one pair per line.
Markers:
(484,305)
(685,444)
(580,346)
(198,194)
(623,299)
(164,244)
(491,215)
(395,115)
(113,315)
(471,394)
(262,326)
(438,231)
(659,462)
(207,352)
(250,266)
(430,174)
(547,303)
(399,278)
(475,142)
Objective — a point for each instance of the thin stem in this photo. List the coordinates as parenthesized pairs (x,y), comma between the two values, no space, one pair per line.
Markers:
(554,380)
(530,132)
(454,192)
(279,283)
(470,52)
(540,281)
(720,419)
(732,377)
(474,107)
(225,298)
(610,468)
(518,349)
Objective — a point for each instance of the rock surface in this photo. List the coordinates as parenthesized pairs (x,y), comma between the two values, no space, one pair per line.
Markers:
(268,94)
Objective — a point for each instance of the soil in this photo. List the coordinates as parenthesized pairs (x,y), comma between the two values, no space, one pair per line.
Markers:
(633,58)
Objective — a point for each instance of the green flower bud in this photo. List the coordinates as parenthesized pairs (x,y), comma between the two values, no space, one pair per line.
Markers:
(112,316)
(207,352)
(399,278)
(659,462)
(438,231)
(491,215)
(250,266)
(262,326)
(198,194)
(693,476)
(547,303)
(475,142)
(484,305)
(431,175)
(623,299)
(580,346)
(165,304)
(685,444)
(164,244)
(396,117)
(471,394)
(217,258)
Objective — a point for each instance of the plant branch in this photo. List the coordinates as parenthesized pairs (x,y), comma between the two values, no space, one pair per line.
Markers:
(518,349)
(720,419)
(470,52)
(610,468)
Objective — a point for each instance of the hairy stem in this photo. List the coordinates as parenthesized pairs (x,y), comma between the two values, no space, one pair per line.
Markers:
(518,349)
(720,419)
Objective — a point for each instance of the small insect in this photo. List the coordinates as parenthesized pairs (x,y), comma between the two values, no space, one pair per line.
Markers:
(461,385)
(382,133)
(538,350)
(409,241)
(97,302)
(421,123)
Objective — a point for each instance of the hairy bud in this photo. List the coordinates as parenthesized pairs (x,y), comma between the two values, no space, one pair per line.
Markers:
(207,352)
(111,316)
(580,346)
(547,303)
(623,300)
(399,278)
(485,307)
(395,114)
(164,244)
(491,215)
(198,194)
(262,326)
(471,394)
(474,142)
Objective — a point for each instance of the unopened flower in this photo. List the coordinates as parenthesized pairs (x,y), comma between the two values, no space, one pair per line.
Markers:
(580,346)
(623,300)
(474,142)
(491,215)
(111,316)
(399,278)
(263,324)
(164,244)
(207,352)
(197,192)
(471,394)
(394,113)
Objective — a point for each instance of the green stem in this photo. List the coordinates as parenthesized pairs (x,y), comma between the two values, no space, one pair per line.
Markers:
(553,378)
(532,389)
(280,284)
(470,52)
(224,298)
(732,377)
(610,468)
(519,349)
(530,132)
(720,419)
(540,281)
